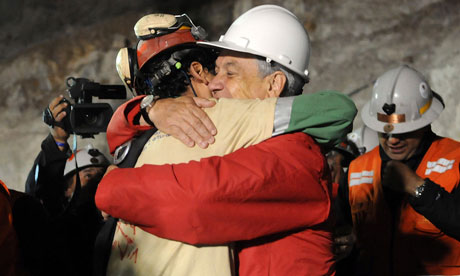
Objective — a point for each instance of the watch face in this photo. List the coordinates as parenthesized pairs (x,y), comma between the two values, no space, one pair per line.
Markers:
(419,190)
(146,101)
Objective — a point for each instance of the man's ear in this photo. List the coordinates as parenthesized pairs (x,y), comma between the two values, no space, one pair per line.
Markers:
(198,72)
(276,81)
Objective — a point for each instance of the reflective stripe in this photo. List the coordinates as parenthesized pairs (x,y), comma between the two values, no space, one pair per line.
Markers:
(440,166)
(364,180)
(424,108)
(363,173)
(37,170)
(364,177)
(283,111)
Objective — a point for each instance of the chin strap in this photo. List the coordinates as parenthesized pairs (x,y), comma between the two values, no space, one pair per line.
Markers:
(189,82)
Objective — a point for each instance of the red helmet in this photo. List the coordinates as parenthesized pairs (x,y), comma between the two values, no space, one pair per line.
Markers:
(156,33)
(146,49)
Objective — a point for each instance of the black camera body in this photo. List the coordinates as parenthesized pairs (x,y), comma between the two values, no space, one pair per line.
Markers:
(84,117)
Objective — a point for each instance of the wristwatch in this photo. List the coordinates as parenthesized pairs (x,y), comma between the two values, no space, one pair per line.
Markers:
(419,190)
(146,103)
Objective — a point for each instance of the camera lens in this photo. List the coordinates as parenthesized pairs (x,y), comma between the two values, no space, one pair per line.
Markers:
(90,119)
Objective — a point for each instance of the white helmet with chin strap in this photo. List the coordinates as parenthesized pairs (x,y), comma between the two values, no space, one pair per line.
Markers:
(87,157)
(402,101)
(272,32)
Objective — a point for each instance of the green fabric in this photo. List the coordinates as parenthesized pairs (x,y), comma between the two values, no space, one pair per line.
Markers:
(327,116)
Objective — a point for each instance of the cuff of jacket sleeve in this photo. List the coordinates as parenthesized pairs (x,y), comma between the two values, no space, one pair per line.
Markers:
(132,114)
(52,151)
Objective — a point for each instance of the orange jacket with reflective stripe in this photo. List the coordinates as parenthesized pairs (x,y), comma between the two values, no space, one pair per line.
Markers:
(405,242)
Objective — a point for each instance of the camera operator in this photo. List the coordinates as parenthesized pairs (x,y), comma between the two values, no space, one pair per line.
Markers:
(65,183)
(50,166)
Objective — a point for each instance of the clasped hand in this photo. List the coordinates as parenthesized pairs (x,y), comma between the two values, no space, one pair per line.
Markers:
(399,177)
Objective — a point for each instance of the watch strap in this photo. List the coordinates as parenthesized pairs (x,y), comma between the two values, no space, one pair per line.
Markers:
(145,115)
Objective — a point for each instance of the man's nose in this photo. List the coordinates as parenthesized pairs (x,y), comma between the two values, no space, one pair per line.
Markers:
(215,84)
(393,139)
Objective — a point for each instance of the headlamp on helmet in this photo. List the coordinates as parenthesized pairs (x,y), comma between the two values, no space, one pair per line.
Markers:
(158,24)
(402,101)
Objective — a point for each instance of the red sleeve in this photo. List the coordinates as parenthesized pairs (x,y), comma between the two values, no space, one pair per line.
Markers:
(275,186)
(121,127)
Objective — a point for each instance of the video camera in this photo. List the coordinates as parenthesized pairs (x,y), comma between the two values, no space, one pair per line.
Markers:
(86,118)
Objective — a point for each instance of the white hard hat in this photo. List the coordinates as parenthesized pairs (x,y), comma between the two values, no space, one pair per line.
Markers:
(272,32)
(147,26)
(88,157)
(364,138)
(402,101)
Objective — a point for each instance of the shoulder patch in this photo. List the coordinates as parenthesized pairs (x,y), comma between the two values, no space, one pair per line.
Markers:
(440,166)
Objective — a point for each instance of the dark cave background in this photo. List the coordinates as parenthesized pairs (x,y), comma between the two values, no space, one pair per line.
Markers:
(353,42)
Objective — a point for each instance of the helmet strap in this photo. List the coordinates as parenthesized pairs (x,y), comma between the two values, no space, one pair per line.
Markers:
(78,180)
(189,82)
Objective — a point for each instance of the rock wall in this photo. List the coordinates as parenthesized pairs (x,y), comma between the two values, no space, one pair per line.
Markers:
(353,42)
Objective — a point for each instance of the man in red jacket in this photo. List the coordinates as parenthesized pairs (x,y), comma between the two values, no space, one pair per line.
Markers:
(272,199)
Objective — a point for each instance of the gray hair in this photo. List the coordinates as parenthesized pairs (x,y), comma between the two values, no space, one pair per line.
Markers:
(294,82)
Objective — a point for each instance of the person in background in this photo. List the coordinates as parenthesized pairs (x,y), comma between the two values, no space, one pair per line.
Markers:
(364,138)
(404,194)
(64,185)
(339,159)
(53,177)
(358,142)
